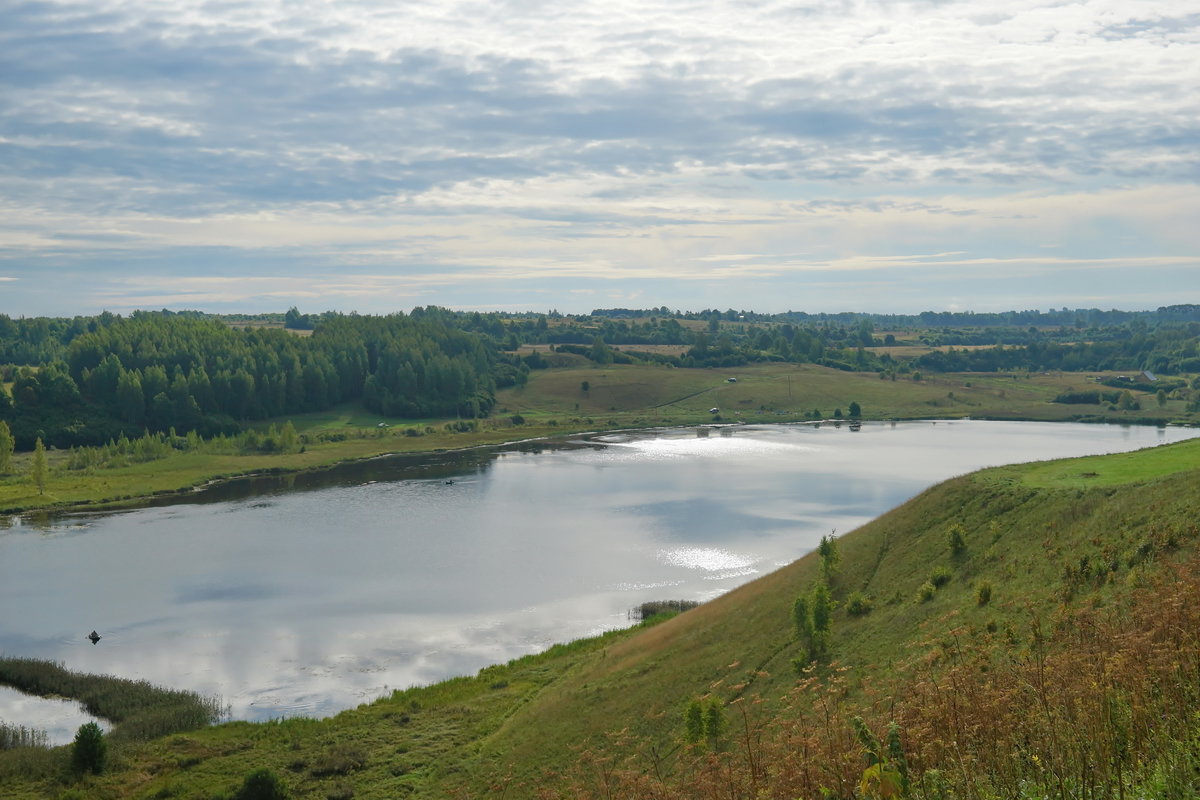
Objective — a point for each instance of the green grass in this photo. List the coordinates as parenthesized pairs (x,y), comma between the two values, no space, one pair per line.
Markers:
(1109,470)
(765,392)
(1038,535)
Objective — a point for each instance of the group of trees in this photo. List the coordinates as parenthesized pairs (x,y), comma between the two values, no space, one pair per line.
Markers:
(1084,339)
(1168,349)
(153,371)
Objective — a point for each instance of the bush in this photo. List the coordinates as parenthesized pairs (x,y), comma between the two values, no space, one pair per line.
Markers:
(89,750)
(956,539)
(262,784)
(940,576)
(858,604)
(926,592)
(983,593)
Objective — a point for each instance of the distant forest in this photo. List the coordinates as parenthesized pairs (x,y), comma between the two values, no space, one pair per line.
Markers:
(89,380)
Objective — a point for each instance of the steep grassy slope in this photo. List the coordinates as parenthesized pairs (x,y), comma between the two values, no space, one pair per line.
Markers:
(1084,533)
(1027,541)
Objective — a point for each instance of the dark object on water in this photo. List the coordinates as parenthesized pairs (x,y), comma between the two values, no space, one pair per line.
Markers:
(449,483)
(95,637)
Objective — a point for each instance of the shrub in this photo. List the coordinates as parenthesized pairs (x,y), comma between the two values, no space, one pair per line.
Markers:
(858,604)
(926,592)
(956,539)
(89,749)
(262,784)
(940,576)
(714,720)
(983,593)
(693,722)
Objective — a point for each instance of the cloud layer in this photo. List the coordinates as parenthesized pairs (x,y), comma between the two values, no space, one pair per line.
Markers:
(376,155)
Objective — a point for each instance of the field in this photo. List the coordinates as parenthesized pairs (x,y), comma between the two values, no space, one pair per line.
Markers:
(785,391)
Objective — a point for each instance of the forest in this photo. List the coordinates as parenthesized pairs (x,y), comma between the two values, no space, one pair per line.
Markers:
(92,380)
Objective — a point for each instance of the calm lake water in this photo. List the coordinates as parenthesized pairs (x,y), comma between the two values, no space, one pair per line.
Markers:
(311,594)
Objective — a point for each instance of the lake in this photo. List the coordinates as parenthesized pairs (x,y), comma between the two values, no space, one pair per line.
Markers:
(310,594)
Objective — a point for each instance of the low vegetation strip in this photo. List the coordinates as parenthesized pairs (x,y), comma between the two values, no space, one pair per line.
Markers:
(137,709)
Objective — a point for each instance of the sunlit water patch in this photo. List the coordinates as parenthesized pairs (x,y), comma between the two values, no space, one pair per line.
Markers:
(711,559)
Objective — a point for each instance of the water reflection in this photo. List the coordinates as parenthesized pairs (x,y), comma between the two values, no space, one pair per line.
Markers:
(58,719)
(312,593)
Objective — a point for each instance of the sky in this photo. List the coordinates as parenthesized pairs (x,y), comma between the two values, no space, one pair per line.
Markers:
(811,155)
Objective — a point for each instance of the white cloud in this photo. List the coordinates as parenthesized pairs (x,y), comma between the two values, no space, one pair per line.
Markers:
(624,140)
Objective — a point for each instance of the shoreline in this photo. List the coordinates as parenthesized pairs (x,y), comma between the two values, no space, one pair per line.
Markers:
(128,501)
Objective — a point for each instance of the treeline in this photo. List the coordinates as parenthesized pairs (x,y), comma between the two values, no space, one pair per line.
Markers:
(1167,349)
(1161,341)
(151,371)
(91,380)
(1078,317)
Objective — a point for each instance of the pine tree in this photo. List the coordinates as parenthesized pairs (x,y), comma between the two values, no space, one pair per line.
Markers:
(89,750)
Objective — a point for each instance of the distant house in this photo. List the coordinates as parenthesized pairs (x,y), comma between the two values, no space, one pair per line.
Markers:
(714,411)
(1148,375)
(731,380)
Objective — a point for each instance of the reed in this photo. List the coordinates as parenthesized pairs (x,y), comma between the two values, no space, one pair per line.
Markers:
(138,710)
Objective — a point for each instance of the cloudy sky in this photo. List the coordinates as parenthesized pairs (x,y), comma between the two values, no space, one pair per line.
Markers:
(819,155)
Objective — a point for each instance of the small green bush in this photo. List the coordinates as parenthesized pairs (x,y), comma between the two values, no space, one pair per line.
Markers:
(262,784)
(926,592)
(858,604)
(940,576)
(693,722)
(956,539)
(983,593)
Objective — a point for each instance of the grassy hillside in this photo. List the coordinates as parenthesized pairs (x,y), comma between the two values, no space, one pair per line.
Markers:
(1026,537)
(1056,545)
